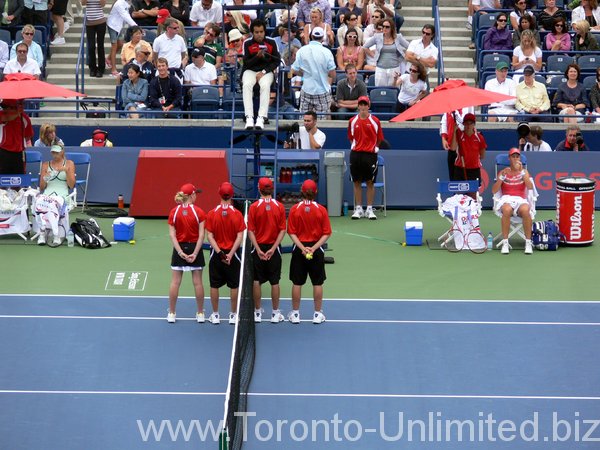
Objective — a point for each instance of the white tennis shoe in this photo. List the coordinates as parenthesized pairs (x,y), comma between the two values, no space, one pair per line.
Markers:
(232,318)
(214,318)
(319,317)
(277,317)
(200,317)
(358,213)
(294,317)
(170,317)
(258,315)
(370,214)
(528,247)
(505,250)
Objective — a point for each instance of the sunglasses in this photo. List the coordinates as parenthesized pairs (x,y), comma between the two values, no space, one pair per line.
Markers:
(210,34)
(235,40)
(501,20)
(21,51)
(174,28)
(27,34)
(559,25)
(426,33)
(353,18)
(387,26)
(414,71)
(352,36)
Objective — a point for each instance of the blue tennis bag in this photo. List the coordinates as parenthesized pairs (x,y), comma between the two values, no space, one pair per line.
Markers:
(546,235)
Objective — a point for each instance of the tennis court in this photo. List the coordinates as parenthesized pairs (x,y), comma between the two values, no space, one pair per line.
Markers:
(511,359)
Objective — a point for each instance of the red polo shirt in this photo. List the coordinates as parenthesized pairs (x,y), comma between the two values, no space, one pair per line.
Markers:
(266,219)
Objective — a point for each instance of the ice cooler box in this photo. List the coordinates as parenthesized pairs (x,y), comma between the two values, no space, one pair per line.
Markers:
(414,233)
(124,228)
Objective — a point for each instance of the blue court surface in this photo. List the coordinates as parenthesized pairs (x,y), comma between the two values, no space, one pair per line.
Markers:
(110,373)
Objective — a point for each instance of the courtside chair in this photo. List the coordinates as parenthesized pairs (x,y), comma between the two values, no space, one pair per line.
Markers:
(83,162)
(379,186)
(33,157)
(447,189)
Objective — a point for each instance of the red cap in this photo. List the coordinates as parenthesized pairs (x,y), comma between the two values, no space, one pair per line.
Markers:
(514,150)
(469,117)
(226,190)
(308,186)
(189,189)
(265,183)
(99,138)
(163,14)
(364,99)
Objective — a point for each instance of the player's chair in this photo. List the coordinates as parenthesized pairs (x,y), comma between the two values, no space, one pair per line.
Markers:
(14,203)
(33,165)
(455,194)
(83,162)
(380,187)
(516,223)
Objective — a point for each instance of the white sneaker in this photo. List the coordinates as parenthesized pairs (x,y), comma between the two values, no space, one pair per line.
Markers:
(370,214)
(528,247)
(56,241)
(214,318)
(260,123)
(170,317)
(42,238)
(249,123)
(294,317)
(258,315)
(67,25)
(358,213)
(319,317)
(505,247)
(58,41)
(277,317)
(232,318)
(200,317)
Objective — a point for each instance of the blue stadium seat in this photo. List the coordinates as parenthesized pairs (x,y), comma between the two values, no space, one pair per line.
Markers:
(588,82)
(384,99)
(491,59)
(205,98)
(558,63)
(6,37)
(588,63)
(556,81)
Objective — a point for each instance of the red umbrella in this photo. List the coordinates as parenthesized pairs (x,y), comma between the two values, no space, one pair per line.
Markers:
(450,96)
(21,86)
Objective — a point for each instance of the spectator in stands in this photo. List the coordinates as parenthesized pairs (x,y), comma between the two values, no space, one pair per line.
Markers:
(519,10)
(390,51)
(351,52)
(135,91)
(200,71)
(118,17)
(309,137)
(548,16)
(161,18)
(533,142)
(286,111)
(573,142)
(57,175)
(344,14)
(144,12)
(178,9)
(571,97)
(147,69)
(281,15)
(35,12)
(95,31)
(204,12)
(423,51)
(59,9)
(532,97)
(172,47)
(235,21)
(283,38)
(527,54)
(448,123)
(584,39)
(389,11)
(595,97)
(305,8)
(559,38)
(526,23)
(498,37)
(3,56)
(22,63)
(371,52)
(347,93)
(210,42)
(128,50)
(48,136)
(13,10)
(351,23)
(377,16)
(261,59)
(99,139)
(164,92)
(502,84)
(34,50)
(413,86)
(471,147)
(17,134)
(316,21)
(316,65)
(235,46)
(588,11)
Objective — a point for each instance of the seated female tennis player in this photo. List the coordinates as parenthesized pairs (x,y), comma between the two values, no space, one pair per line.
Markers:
(513,183)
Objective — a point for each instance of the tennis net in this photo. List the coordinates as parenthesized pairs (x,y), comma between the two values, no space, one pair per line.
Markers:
(242,358)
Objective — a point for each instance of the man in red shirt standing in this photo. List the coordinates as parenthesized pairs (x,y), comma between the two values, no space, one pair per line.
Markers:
(309,229)
(266,228)
(15,134)
(225,228)
(365,135)
(471,150)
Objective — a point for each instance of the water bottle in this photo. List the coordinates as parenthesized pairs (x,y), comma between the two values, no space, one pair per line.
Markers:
(345,210)
(120,201)
(70,239)
(490,241)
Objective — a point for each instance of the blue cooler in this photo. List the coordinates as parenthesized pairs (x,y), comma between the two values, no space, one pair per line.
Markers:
(414,233)
(124,228)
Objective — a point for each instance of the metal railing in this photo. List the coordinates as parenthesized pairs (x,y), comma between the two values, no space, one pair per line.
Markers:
(438,42)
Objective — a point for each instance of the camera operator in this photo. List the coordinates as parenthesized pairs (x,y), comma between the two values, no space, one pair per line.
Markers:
(573,142)
(530,138)
(306,137)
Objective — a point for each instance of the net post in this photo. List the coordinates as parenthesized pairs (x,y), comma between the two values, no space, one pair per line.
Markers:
(223,440)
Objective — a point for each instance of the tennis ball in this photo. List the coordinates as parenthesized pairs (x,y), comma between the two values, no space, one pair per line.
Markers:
(404,244)
(132,242)
(308,256)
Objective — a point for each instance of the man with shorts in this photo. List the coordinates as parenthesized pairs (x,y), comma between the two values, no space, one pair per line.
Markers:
(309,229)
(224,230)
(365,135)
(266,229)
(15,133)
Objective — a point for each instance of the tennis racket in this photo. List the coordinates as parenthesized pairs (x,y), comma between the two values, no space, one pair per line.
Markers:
(474,239)
(455,239)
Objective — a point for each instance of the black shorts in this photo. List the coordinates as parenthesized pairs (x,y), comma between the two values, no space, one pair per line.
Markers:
(221,274)
(188,249)
(472,174)
(60,7)
(300,267)
(363,166)
(11,162)
(267,270)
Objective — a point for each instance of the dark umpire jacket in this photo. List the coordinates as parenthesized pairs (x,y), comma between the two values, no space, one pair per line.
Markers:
(256,63)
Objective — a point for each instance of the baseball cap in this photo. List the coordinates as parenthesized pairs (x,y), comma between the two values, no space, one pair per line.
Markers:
(502,65)
(529,70)
(189,189)
(364,99)
(226,190)
(163,14)
(234,35)
(317,33)
(469,117)
(309,185)
(265,183)
(56,148)
(514,150)
(99,138)
(198,52)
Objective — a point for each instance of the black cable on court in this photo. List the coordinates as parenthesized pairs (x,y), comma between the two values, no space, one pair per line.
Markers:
(106,213)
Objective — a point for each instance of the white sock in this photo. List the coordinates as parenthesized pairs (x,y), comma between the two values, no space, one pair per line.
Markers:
(470,19)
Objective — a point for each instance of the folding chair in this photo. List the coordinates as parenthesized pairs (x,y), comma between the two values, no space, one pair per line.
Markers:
(455,192)
(83,162)
(14,204)
(379,185)
(45,210)
(34,157)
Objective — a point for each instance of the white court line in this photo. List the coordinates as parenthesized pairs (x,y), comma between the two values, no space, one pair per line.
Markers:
(305,395)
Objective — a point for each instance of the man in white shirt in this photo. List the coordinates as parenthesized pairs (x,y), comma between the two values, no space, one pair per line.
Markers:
(423,50)
(502,84)
(200,71)
(309,135)
(170,45)
(22,63)
(205,11)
